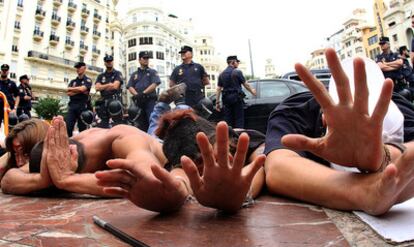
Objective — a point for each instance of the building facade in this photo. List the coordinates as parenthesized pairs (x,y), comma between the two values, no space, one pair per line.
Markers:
(397,20)
(205,54)
(270,70)
(149,29)
(44,39)
(318,60)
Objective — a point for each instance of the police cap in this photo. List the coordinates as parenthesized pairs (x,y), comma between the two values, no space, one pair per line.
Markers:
(79,64)
(108,58)
(144,54)
(23,77)
(229,58)
(5,67)
(383,40)
(186,48)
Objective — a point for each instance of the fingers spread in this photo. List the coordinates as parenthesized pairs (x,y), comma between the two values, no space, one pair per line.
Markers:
(341,79)
(165,177)
(240,156)
(361,87)
(222,142)
(250,170)
(315,86)
(381,108)
(192,172)
(206,150)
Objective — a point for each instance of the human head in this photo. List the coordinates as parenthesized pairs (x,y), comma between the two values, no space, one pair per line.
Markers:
(22,139)
(178,130)
(393,124)
(80,68)
(4,71)
(109,62)
(384,43)
(35,158)
(233,61)
(404,51)
(186,53)
(24,79)
(144,57)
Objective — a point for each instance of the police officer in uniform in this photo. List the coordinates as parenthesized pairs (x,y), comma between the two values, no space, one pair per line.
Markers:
(407,70)
(229,83)
(78,91)
(9,88)
(391,64)
(142,85)
(192,74)
(26,96)
(109,85)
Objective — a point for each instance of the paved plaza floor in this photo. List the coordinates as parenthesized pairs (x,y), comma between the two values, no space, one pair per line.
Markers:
(271,221)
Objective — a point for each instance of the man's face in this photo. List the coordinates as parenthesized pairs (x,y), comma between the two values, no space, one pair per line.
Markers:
(24,81)
(4,73)
(144,61)
(109,64)
(81,70)
(384,46)
(21,157)
(186,55)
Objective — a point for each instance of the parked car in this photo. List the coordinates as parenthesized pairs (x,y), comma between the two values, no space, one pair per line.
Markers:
(324,75)
(270,93)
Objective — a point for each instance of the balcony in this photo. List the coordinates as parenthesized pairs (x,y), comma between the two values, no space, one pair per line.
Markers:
(83,48)
(37,35)
(53,39)
(84,30)
(85,13)
(72,7)
(55,19)
(40,14)
(96,17)
(69,44)
(96,52)
(70,25)
(96,34)
(57,3)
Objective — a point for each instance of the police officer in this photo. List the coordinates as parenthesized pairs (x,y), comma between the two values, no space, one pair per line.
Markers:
(192,74)
(230,82)
(9,88)
(407,70)
(78,91)
(26,96)
(142,85)
(391,64)
(109,85)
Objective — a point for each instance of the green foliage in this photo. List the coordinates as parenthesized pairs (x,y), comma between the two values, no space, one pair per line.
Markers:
(48,107)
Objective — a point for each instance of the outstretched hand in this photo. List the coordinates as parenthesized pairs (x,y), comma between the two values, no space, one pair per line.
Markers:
(354,137)
(225,182)
(157,190)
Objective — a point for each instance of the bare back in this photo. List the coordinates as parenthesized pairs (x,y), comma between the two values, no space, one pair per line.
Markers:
(121,141)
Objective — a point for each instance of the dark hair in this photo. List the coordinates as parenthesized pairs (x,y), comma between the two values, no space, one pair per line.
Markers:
(36,156)
(402,49)
(28,133)
(178,129)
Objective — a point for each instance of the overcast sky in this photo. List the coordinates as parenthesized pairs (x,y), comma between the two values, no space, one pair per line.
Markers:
(285,31)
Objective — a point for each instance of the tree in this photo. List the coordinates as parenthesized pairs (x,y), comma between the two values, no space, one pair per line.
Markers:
(47,108)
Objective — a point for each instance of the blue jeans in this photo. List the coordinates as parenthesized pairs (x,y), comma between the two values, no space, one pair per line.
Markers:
(159,109)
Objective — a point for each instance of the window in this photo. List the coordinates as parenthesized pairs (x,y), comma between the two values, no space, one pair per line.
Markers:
(17,25)
(132,56)
(274,89)
(160,55)
(373,40)
(14,48)
(132,42)
(145,41)
(20,3)
(395,37)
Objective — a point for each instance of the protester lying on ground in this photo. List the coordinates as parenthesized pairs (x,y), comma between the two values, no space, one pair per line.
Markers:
(214,163)
(19,143)
(360,134)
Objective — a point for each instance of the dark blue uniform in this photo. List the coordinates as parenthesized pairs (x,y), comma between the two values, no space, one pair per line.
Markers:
(395,75)
(25,106)
(231,80)
(108,95)
(9,88)
(192,75)
(77,104)
(141,80)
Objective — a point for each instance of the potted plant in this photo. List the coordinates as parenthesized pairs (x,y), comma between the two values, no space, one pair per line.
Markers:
(47,108)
